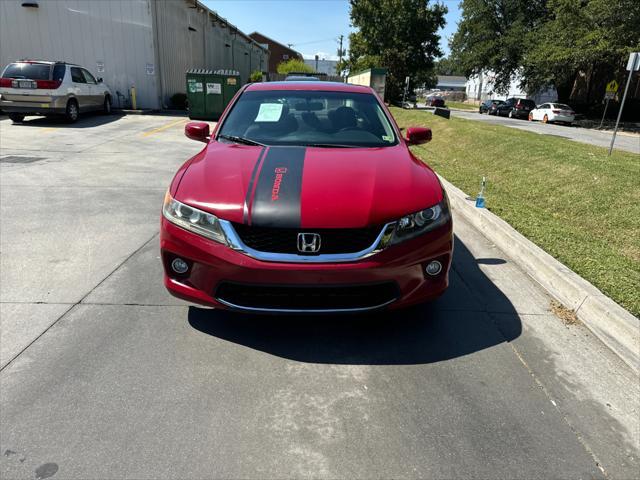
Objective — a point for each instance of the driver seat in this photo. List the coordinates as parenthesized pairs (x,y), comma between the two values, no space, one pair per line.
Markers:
(343,117)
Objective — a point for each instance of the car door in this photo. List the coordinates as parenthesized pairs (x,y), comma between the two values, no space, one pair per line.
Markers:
(93,89)
(544,109)
(506,106)
(80,89)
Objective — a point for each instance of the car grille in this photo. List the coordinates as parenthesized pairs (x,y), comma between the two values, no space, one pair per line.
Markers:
(305,298)
(285,240)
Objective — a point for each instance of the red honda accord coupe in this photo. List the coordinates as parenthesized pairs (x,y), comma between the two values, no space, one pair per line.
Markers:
(306,199)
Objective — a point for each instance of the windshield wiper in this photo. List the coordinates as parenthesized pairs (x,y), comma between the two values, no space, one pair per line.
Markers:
(330,145)
(244,141)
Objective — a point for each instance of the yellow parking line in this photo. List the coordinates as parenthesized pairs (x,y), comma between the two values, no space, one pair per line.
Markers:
(164,127)
(49,130)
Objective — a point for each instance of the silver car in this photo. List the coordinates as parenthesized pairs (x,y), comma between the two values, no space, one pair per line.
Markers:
(37,87)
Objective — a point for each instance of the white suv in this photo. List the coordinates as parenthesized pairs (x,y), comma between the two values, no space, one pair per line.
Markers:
(35,87)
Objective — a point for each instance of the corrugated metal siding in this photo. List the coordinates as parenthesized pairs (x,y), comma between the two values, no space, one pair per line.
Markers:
(180,48)
(116,32)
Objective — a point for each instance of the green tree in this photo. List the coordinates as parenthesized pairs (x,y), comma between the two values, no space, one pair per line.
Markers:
(448,66)
(581,46)
(492,35)
(400,35)
(294,65)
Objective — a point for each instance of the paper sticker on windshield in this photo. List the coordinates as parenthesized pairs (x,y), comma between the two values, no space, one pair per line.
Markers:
(387,138)
(269,112)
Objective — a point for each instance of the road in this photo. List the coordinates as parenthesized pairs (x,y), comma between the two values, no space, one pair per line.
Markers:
(626,142)
(104,375)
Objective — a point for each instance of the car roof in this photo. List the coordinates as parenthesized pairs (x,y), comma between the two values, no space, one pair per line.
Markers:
(46,62)
(307,85)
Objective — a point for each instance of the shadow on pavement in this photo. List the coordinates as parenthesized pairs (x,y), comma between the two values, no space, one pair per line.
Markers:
(86,120)
(455,325)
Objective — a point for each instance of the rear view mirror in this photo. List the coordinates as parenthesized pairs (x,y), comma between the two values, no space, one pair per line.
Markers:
(197,131)
(418,135)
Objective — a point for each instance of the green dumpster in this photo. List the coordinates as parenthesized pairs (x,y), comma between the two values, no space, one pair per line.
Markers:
(209,92)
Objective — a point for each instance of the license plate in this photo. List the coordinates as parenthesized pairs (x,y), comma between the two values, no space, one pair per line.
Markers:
(26,84)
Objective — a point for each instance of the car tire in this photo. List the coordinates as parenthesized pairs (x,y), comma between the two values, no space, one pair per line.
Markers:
(16,117)
(545,119)
(106,107)
(72,112)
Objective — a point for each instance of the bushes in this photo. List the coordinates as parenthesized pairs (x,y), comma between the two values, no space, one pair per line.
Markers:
(255,76)
(294,65)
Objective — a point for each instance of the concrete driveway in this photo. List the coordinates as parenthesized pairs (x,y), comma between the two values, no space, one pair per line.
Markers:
(626,142)
(104,375)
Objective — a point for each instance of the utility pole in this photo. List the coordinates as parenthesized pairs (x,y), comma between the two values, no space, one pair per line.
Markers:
(340,52)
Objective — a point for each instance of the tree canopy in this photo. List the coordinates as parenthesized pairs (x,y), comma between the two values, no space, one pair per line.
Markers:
(400,35)
(569,44)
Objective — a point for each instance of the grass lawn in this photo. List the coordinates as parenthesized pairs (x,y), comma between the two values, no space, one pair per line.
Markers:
(569,198)
(461,106)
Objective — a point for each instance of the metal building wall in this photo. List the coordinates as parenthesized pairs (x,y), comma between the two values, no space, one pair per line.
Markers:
(117,34)
(188,35)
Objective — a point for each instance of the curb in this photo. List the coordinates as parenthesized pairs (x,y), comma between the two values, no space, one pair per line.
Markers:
(612,324)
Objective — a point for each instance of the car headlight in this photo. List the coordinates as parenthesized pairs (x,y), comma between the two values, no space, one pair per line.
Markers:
(192,219)
(421,222)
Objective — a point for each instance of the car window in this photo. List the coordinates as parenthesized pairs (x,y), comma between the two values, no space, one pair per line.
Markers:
(32,71)
(76,75)
(297,117)
(58,72)
(544,105)
(529,103)
(562,106)
(88,77)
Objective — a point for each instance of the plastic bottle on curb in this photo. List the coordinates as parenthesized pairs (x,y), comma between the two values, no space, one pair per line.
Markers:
(480,197)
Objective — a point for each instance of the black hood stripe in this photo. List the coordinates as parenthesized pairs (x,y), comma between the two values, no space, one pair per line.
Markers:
(276,202)
(247,198)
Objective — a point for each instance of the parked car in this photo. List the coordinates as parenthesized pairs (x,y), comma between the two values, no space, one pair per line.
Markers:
(515,108)
(489,106)
(553,112)
(268,218)
(435,101)
(35,87)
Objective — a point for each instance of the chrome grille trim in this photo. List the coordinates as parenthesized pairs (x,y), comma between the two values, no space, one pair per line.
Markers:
(379,244)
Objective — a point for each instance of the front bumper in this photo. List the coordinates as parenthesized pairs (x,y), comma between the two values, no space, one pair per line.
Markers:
(213,267)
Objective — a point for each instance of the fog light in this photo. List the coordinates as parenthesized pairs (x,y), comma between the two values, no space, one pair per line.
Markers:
(179,265)
(433,268)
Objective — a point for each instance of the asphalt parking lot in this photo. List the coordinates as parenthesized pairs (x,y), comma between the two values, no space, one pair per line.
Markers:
(624,141)
(104,375)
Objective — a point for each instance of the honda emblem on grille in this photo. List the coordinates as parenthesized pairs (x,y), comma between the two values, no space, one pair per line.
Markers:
(308,242)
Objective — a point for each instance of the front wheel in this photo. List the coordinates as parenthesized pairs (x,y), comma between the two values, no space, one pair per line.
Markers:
(545,119)
(16,117)
(531,117)
(106,107)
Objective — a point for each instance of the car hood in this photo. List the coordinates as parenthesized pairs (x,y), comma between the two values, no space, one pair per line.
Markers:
(308,187)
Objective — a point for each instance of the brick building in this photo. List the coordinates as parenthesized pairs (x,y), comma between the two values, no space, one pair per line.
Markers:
(277,52)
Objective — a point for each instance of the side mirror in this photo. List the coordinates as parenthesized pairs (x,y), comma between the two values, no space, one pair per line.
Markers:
(99,79)
(197,131)
(418,135)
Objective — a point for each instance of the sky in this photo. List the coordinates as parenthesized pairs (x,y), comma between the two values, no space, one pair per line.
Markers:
(312,26)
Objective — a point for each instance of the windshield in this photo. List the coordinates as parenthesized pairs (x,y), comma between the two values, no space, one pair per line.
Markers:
(295,117)
(32,71)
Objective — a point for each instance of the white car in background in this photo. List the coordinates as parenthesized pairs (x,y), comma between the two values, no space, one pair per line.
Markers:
(36,87)
(553,112)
